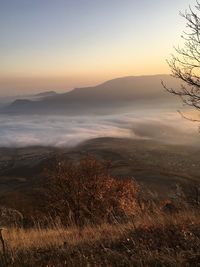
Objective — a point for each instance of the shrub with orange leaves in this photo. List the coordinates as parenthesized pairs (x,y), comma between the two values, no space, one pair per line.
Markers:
(85,192)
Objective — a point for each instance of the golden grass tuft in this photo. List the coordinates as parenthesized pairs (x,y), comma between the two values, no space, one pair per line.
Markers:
(150,240)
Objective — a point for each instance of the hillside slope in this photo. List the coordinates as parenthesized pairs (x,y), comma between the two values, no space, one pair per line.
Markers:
(157,167)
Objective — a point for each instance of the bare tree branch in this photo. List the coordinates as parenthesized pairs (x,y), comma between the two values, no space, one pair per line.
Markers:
(185,63)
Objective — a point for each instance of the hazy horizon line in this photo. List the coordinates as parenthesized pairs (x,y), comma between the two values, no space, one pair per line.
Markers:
(21,92)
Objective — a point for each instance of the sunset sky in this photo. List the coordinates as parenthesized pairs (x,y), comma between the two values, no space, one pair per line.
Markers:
(61,44)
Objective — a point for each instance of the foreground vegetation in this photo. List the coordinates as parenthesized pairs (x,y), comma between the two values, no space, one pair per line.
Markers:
(92,218)
(156,166)
(156,239)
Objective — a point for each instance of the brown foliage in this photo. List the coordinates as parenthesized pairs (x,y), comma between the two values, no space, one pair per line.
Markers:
(85,192)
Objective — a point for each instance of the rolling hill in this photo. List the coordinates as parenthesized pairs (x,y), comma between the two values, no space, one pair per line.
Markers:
(156,166)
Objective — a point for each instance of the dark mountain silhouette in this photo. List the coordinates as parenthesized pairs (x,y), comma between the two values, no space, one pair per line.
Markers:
(11,99)
(107,97)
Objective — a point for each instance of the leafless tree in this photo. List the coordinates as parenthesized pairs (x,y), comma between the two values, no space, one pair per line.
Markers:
(185,62)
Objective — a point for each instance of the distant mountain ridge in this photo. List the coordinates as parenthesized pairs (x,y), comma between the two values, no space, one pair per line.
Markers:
(113,94)
(46,94)
(38,96)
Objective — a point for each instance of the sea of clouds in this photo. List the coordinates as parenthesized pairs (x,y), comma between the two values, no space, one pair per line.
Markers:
(169,127)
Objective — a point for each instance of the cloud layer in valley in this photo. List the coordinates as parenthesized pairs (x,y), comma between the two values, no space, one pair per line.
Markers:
(17,131)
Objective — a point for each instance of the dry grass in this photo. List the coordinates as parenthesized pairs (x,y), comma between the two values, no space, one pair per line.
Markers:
(21,239)
(149,240)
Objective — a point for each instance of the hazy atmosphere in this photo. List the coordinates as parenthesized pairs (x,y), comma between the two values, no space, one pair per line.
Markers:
(75,70)
(99,133)
(59,45)
(69,131)
(135,107)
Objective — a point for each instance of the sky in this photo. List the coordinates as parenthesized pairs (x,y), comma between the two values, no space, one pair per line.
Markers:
(62,44)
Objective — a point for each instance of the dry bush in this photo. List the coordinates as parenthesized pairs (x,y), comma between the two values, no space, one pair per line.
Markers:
(85,192)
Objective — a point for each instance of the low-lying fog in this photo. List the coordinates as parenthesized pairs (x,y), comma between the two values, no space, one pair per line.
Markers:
(169,127)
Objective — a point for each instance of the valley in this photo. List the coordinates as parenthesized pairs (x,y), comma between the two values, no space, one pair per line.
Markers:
(157,167)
